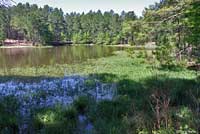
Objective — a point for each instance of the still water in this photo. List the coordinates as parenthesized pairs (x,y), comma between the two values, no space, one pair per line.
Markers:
(30,57)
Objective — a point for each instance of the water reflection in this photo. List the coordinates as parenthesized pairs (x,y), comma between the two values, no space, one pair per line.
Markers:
(23,57)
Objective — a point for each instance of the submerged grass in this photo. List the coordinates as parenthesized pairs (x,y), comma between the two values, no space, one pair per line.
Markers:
(121,65)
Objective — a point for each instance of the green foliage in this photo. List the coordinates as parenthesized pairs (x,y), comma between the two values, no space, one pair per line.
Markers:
(164,131)
(46,25)
(191,20)
(108,115)
(135,32)
(2,36)
(177,20)
(111,110)
(111,127)
(8,114)
(90,83)
(107,39)
(77,38)
(165,51)
(116,40)
(175,103)
(186,130)
(82,104)
(86,38)
(100,38)
(2,25)
(131,110)
(186,118)
(56,26)
(55,120)
(164,55)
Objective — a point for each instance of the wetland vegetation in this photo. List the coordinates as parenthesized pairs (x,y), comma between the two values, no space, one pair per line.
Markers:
(139,88)
(98,89)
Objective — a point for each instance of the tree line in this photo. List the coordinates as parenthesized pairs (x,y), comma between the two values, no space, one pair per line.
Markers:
(47,24)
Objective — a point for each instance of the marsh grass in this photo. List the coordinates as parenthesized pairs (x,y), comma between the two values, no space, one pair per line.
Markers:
(132,110)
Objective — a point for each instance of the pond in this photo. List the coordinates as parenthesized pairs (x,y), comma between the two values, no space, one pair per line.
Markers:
(35,57)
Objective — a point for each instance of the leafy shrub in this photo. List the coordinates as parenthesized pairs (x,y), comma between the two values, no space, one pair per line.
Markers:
(186,130)
(165,52)
(164,55)
(82,104)
(164,131)
(107,115)
(113,109)
(8,114)
(90,83)
(55,120)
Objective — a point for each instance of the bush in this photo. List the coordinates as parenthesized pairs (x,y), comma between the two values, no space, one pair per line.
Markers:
(8,114)
(82,104)
(164,55)
(55,120)
(113,109)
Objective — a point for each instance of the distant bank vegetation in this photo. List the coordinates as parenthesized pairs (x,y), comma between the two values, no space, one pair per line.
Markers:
(49,25)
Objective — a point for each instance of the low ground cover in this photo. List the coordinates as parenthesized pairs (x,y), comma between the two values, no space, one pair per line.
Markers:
(149,99)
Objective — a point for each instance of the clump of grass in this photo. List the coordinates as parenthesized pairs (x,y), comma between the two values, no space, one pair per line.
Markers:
(107,115)
(8,114)
(82,104)
(55,120)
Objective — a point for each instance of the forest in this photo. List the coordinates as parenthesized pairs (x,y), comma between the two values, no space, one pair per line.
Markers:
(118,84)
(173,19)
(47,24)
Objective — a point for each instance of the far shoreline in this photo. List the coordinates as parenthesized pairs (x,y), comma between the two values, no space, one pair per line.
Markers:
(4,47)
(49,46)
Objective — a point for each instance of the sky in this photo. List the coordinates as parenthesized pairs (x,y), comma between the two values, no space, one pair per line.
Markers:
(94,5)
